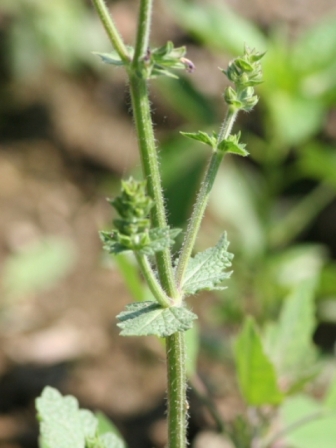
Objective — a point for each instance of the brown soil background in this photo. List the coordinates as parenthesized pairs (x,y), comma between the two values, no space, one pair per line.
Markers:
(65,134)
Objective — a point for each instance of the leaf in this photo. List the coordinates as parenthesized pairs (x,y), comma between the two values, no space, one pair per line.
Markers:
(295,118)
(192,346)
(217,26)
(105,425)
(111,440)
(289,342)
(63,424)
(110,58)
(40,266)
(232,145)
(319,42)
(317,428)
(330,396)
(256,373)
(319,162)
(206,270)
(160,239)
(142,319)
(202,137)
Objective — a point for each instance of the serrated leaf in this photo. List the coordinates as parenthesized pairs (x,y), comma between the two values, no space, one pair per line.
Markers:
(256,373)
(150,318)
(202,137)
(289,341)
(63,425)
(160,239)
(206,270)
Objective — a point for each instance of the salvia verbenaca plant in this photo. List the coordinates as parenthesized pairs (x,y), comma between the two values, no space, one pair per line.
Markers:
(141,226)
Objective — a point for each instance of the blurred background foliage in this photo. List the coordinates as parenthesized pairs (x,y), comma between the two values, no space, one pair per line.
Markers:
(67,138)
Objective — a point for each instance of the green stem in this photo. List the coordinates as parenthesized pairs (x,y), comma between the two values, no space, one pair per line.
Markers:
(202,198)
(152,281)
(150,166)
(111,30)
(177,404)
(142,39)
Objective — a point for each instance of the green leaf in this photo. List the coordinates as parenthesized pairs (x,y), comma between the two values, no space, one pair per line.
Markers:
(110,440)
(202,137)
(295,118)
(160,239)
(63,424)
(105,425)
(256,373)
(319,162)
(317,428)
(232,145)
(206,270)
(192,343)
(129,270)
(319,42)
(142,319)
(217,26)
(110,58)
(330,396)
(40,266)
(289,342)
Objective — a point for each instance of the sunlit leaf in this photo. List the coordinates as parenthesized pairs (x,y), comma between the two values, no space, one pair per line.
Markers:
(206,270)
(289,341)
(145,318)
(256,373)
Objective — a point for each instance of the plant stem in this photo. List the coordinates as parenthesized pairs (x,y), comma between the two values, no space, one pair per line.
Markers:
(150,166)
(152,281)
(203,197)
(143,31)
(177,404)
(111,30)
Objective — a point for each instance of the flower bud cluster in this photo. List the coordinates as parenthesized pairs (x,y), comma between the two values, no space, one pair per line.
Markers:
(245,72)
(131,229)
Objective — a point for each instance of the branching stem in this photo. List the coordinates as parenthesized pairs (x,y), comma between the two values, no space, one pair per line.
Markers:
(152,281)
(150,166)
(142,39)
(111,30)
(203,197)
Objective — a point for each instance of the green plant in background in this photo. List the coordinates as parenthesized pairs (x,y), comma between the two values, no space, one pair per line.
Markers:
(142,227)
(292,176)
(273,363)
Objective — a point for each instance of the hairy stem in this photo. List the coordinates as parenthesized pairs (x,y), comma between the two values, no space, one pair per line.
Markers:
(152,281)
(150,166)
(177,404)
(142,39)
(202,198)
(111,30)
